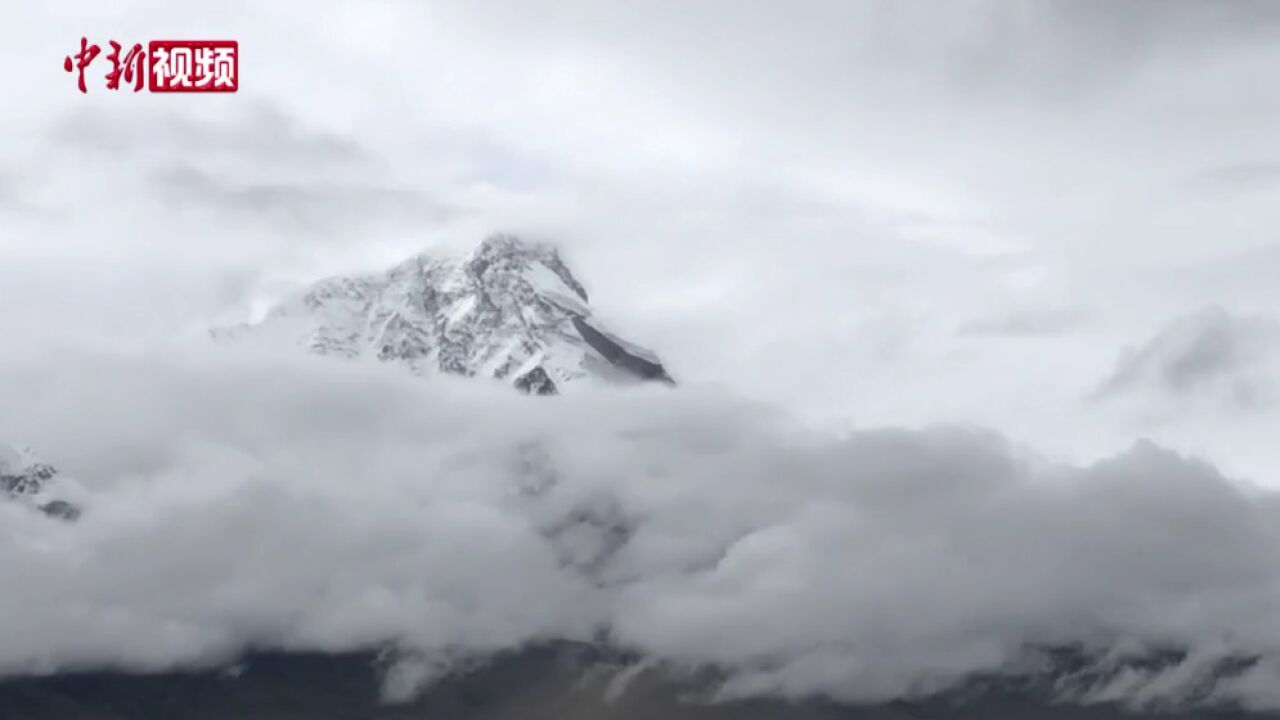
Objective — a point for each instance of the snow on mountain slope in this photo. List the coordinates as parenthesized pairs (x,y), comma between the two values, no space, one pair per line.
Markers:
(25,478)
(510,310)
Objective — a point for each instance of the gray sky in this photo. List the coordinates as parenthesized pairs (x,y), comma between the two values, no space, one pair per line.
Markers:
(870,212)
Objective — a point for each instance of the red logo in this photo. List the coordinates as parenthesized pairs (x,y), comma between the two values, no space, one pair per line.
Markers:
(167,65)
(83,58)
(194,66)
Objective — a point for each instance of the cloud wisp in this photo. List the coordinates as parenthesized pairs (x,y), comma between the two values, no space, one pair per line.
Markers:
(1211,354)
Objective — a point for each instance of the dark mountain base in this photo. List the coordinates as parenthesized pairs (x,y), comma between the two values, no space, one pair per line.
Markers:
(546,683)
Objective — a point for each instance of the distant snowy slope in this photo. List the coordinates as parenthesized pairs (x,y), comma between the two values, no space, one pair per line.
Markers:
(511,310)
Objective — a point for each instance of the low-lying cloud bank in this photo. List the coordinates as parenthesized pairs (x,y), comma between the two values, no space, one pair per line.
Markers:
(238,502)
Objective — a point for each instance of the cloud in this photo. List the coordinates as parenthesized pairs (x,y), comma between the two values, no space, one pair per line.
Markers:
(1211,353)
(1242,176)
(1026,323)
(259,133)
(247,501)
(321,208)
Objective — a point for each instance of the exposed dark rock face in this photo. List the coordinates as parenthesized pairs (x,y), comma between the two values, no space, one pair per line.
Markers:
(536,382)
(26,480)
(563,681)
(61,509)
(647,368)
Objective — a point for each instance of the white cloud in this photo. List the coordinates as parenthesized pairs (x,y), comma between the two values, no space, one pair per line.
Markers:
(241,500)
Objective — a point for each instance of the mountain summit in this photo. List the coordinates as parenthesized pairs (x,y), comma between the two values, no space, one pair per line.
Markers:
(510,310)
(25,478)
(21,472)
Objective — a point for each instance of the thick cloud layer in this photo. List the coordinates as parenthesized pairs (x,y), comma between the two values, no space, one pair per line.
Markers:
(239,501)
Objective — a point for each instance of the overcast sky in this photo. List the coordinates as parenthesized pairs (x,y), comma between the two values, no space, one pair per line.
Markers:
(868,212)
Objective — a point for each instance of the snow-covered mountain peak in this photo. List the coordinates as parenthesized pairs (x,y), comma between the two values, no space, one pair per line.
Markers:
(511,310)
(26,478)
(21,472)
(507,253)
